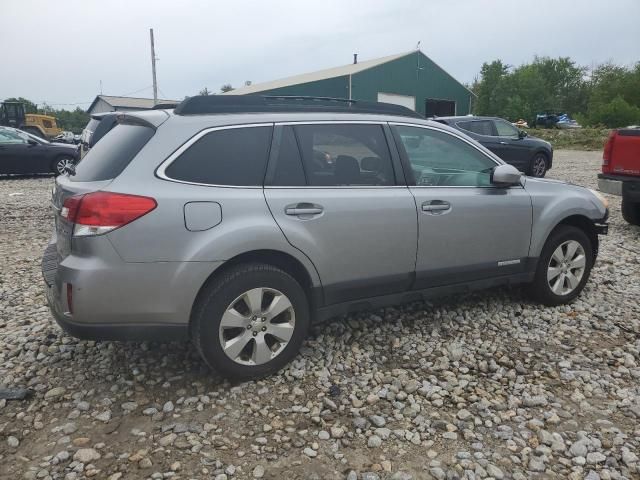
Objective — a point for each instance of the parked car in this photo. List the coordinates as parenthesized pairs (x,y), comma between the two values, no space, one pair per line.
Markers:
(621,170)
(546,120)
(64,137)
(221,222)
(24,153)
(98,126)
(530,155)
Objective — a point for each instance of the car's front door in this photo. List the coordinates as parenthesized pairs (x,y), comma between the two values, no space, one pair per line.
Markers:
(512,147)
(468,229)
(15,154)
(334,190)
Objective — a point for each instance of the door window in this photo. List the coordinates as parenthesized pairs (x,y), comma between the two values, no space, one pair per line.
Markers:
(505,129)
(440,159)
(479,127)
(342,155)
(8,137)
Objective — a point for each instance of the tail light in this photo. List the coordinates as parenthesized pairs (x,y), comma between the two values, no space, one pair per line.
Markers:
(101,212)
(608,153)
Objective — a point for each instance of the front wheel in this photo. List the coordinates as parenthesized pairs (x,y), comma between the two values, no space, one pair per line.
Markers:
(251,321)
(538,167)
(62,165)
(563,267)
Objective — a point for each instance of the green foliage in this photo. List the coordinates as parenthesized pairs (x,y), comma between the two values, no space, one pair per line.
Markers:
(559,85)
(204,91)
(575,139)
(74,121)
(616,113)
(226,88)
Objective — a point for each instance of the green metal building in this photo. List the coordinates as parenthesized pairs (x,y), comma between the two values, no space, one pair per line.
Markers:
(411,79)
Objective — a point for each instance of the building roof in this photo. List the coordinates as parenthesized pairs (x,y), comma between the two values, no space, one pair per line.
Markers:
(129,102)
(318,75)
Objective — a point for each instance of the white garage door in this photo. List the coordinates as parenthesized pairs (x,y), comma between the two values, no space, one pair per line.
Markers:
(404,100)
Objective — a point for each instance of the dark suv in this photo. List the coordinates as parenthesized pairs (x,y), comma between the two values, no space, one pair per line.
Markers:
(529,154)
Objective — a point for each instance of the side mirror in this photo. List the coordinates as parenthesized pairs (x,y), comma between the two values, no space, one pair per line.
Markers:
(505,176)
(32,142)
(522,134)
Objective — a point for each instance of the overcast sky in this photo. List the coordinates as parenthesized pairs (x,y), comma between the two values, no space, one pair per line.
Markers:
(59,51)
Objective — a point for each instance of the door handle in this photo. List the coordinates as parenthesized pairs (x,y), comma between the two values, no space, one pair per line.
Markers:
(504,143)
(435,206)
(303,209)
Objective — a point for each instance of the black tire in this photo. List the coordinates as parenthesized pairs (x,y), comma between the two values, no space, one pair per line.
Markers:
(540,289)
(218,295)
(59,162)
(538,165)
(631,211)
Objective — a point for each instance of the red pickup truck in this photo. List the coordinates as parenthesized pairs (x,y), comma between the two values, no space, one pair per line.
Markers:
(621,170)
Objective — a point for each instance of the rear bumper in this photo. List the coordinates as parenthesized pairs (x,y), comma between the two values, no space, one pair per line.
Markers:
(113,331)
(116,300)
(626,185)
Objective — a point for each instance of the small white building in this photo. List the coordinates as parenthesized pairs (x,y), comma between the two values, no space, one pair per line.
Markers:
(107,103)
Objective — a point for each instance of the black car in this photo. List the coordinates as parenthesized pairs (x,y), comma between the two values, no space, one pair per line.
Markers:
(531,155)
(23,153)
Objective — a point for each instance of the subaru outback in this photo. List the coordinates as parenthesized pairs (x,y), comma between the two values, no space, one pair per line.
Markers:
(237,222)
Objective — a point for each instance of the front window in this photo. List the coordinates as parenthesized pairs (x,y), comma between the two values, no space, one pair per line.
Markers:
(505,129)
(441,159)
(8,137)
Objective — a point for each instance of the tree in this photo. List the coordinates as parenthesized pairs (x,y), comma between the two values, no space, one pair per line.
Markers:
(29,106)
(204,91)
(226,88)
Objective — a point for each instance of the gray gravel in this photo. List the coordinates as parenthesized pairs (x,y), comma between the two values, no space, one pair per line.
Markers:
(476,386)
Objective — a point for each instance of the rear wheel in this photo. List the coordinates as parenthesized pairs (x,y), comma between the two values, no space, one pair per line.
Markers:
(251,321)
(563,267)
(62,165)
(538,167)
(631,211)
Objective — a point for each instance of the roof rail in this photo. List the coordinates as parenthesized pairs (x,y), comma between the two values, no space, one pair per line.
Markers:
(165,106)
(216,104)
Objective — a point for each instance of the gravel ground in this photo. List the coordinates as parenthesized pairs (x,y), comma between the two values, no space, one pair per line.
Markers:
(477,386)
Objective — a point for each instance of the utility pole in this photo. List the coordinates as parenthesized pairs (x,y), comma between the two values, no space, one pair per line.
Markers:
(153,69)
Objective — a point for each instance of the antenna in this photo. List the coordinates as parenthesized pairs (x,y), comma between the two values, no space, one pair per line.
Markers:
(418,45)
(153,69)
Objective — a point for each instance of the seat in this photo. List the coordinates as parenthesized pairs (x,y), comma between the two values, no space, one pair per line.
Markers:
(347,171)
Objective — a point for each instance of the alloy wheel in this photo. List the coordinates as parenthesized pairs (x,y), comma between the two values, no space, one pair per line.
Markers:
(566,267)
(539,166)
(64,165)
(257,326)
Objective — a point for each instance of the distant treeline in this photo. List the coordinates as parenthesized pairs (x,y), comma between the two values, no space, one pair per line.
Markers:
(607,95)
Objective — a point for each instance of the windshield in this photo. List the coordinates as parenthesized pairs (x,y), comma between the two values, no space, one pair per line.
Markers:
(27,136)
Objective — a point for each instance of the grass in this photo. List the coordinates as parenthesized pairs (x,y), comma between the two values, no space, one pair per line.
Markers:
(576,139)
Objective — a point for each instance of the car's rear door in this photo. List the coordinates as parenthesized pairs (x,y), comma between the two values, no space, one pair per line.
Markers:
(338,196)
(468,229)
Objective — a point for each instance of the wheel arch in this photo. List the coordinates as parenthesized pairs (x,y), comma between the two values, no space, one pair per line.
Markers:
(276,258)
(583,223)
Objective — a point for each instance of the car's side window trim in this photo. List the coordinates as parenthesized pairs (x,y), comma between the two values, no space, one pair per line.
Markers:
(161,169)
(399,175)
(411,181)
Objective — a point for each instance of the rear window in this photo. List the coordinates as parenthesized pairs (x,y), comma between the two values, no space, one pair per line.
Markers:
(234,157)
(113,153)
